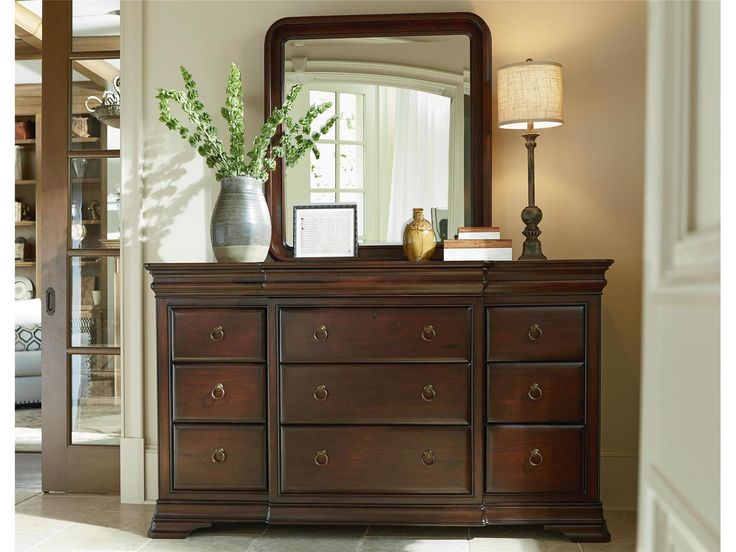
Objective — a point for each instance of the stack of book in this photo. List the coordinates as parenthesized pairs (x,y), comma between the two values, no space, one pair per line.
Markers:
(477,243)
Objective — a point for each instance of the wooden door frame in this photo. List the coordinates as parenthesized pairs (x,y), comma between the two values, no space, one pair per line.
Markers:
(65,467)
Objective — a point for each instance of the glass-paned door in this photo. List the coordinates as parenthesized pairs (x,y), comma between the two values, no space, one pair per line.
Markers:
(81,366)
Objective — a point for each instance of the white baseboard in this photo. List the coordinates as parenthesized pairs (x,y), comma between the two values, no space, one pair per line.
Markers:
(132,472)
(619,475)
(151,466)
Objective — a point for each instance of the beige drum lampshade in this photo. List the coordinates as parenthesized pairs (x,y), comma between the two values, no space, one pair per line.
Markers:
(530,92)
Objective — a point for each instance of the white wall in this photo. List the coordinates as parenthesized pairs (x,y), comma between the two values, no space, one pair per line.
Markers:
(589,171)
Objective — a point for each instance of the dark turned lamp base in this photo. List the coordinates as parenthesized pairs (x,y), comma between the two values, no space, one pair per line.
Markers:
(532,250)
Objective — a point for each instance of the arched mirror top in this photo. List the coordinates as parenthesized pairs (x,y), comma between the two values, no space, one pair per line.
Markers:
(412,93)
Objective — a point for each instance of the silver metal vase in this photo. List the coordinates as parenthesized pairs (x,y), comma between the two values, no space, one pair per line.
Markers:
(240,228)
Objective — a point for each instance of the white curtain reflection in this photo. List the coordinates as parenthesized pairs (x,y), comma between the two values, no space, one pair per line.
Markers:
(420,172)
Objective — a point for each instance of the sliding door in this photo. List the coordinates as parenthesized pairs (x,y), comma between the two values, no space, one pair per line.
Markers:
(81,256)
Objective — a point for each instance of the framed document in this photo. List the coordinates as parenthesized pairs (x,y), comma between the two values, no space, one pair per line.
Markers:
(326,230)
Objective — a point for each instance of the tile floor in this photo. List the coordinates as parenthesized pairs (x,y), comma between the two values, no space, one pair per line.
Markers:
(83,523)
(94,523)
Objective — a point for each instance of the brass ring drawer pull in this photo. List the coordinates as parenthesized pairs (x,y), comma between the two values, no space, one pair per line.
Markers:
(218,392)
(219,456)
(428,458)
(320,393)
(428,393)
(535,457)
(321,458)
(217,334)
(535,332)
(428,333)
(535,392)
(320,334)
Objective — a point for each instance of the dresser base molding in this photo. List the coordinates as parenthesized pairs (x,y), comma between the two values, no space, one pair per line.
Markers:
(579,523)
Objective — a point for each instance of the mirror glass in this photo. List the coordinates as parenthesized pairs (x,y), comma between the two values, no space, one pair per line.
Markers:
(402,138)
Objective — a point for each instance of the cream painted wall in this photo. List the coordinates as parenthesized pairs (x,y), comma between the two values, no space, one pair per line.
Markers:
(589,171)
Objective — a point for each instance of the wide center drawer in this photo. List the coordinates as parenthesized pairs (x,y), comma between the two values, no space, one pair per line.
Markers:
(219,392)
(375,393)
(211,457)
(375,460)
(544,333)
(227,333)
(364,334)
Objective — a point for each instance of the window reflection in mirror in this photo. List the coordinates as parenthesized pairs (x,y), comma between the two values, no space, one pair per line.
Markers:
(401,140)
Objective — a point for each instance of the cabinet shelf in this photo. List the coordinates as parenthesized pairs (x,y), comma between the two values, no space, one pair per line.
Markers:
(25,182)
(25,142)
(89,139)
(21,264)
(25,223)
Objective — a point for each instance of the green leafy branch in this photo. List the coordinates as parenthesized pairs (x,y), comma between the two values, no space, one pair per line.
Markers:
(294,141)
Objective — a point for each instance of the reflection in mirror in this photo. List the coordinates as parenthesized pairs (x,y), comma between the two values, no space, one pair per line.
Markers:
(402,140)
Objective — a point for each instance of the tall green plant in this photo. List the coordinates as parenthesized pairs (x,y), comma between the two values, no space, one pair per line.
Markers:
(295,140)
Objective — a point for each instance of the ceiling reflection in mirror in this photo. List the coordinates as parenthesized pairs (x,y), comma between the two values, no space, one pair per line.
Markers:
(402,139)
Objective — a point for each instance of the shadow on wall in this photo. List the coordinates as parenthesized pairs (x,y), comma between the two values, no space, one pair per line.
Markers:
(175,185)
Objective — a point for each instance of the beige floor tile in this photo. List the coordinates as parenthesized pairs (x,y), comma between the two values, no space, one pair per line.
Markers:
(419,532)
(31,530)
(81,537)
(23,495)
(288,538)
(63,507)
(202,542)
(500,544)
(413,545)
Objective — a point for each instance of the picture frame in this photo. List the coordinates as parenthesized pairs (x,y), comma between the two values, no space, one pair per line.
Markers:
(325,230)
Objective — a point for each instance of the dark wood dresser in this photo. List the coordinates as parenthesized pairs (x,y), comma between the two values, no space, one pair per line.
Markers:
(380,392)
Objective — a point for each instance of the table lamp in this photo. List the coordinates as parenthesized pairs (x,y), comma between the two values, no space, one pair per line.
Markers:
(530,98)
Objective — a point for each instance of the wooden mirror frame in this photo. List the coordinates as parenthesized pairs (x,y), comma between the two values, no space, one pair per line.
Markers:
(343,26)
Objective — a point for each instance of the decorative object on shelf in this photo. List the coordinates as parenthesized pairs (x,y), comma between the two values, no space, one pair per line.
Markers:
(418,237)
(530,98)
(22,212)
(107,110)
(96,297)
(25,130)
(23,288)
(326,230)
(22,249)
(240,227)
(19,162)
(93,210)
(78,230)
(79,167)
(80,128)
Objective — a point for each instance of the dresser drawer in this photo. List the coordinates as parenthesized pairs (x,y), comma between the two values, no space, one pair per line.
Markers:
(219,457)
(219,333)
(363,334)
(534,459)
(219,392)
(541,393)
(375,393)
(536,333)
(375,460)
